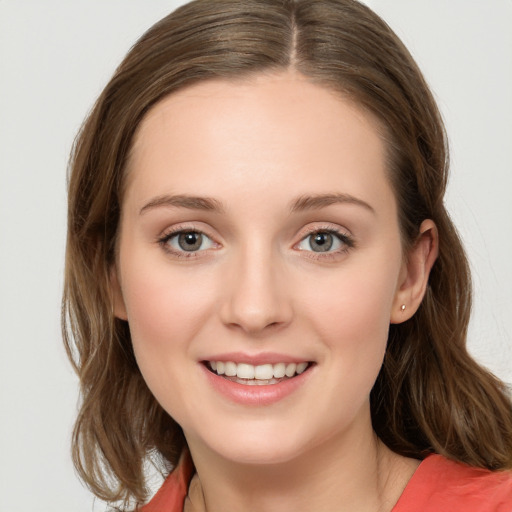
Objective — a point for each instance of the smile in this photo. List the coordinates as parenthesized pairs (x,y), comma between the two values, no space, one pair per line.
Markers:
(272,380)
(256,375)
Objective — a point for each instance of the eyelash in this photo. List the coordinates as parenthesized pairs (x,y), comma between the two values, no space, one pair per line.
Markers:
(164,240)
(346,240)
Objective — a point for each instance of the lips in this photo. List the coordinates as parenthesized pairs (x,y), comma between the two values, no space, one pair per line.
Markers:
(269,380)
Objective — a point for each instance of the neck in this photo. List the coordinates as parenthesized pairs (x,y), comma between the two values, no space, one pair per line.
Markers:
(352,472)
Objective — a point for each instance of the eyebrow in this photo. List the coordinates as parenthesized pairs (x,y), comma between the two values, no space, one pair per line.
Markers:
(316,202)
(183,201)
(303,203)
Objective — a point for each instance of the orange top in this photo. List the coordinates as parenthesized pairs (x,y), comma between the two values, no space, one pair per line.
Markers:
(441,485)
(438,485)
(171,496)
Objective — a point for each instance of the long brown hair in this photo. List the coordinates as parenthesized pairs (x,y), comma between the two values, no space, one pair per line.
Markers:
(430,395)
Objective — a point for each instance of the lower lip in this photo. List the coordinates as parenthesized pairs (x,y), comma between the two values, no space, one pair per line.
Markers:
(255,395)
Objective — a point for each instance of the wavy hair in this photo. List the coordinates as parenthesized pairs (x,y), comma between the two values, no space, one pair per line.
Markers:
(430,395)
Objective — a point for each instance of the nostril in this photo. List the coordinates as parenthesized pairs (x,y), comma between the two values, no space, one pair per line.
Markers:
(255,305)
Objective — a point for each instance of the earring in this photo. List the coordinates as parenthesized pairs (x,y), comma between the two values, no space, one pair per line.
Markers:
(402,307)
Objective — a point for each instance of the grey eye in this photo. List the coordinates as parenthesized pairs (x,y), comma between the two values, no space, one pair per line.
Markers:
(191,241)
(324,241)
(321,242)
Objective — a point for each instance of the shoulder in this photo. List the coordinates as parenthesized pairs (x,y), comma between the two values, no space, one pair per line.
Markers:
(442,485)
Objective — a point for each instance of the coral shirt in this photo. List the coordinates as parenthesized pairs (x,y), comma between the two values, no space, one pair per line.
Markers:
(441,485)
(438,485)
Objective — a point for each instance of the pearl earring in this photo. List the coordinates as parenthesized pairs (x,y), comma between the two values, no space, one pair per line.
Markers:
(402,307)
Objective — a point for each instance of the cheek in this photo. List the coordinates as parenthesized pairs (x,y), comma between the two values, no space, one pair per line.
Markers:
(355,302)
(165,310)
(352,319)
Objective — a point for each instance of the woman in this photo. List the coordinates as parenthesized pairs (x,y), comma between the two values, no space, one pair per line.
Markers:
(264,290)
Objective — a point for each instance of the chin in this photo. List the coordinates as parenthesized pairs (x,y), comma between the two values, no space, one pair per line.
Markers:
(261,454)
(255,446)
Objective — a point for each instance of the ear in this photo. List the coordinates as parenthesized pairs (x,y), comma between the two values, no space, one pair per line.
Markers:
(415,272)
(117,295)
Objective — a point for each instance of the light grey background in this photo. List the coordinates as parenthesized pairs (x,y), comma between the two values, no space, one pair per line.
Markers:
(55,57)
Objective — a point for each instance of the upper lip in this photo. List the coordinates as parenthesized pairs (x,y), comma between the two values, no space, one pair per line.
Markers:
(256,359)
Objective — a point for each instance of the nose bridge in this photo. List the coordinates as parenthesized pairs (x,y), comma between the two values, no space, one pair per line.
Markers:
(256,295)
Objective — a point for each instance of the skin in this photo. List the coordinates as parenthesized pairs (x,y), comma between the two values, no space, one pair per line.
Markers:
(256,285)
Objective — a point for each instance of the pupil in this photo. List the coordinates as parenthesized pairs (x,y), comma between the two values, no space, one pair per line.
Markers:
(190,241)
(321,242)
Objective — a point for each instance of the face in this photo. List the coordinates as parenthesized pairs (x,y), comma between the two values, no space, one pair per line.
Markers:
(259,240)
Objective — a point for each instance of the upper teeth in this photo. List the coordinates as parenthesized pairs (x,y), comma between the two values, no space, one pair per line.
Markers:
(260,372)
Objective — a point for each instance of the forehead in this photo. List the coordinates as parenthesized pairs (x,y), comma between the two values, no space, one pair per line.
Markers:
(279,128)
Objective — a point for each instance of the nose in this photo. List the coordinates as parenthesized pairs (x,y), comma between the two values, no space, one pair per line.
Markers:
(256,298)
